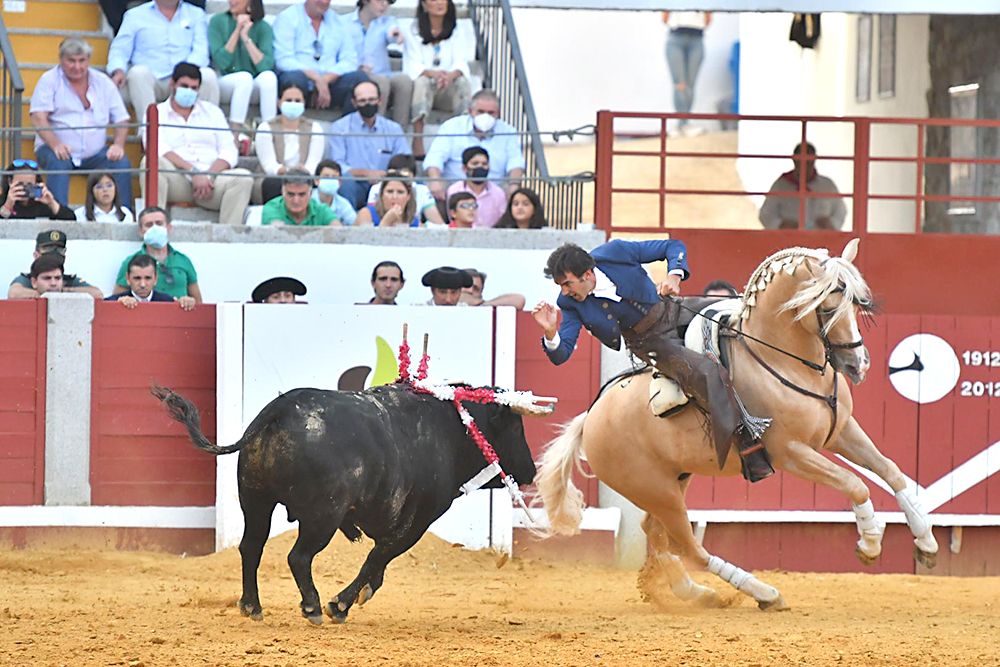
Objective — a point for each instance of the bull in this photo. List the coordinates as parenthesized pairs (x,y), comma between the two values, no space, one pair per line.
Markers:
(386,462)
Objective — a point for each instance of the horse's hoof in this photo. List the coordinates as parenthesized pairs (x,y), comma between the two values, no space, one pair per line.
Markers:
(925,558)
(364,595)
(252,612)
(316,619)
(777,604)
(333,610)
(865,558)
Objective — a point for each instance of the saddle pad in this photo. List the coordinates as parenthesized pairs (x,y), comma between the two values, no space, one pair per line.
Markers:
(702,335)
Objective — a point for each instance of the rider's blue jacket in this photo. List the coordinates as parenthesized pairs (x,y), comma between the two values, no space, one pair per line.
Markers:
(606,311)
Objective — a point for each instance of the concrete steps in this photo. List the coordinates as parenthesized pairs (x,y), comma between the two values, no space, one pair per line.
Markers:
(41,45)
(56,15)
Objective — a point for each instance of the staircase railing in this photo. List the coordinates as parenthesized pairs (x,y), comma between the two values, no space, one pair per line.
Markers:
(500,53)
(12,88)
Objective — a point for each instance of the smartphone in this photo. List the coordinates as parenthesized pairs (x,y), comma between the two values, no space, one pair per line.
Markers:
(35,191)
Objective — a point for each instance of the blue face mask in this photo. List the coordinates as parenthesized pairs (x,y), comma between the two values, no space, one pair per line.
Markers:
(185,97)
(329,186)
(155,237)
(292,110)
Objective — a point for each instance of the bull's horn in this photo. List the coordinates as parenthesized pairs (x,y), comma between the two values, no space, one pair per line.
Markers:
(533,410)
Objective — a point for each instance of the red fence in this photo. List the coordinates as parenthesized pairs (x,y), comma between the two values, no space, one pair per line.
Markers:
(22,402)
(139,456)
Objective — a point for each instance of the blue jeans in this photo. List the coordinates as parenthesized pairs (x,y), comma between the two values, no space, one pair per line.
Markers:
(59,183)
(341,90)
(685,51)
(355,192)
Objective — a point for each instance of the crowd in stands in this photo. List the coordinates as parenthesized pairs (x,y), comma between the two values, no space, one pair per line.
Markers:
(282,82)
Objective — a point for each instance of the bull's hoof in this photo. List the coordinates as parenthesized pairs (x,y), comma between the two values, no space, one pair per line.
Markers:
(364,595)
(925,558)
(865,558)
(777,604)
(333,610)
(251,611)
(316,619)
(313,615)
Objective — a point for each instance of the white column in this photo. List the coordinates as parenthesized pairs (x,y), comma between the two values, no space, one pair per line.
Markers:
(229,421)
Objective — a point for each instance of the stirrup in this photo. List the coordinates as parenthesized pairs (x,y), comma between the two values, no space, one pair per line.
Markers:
(754,426)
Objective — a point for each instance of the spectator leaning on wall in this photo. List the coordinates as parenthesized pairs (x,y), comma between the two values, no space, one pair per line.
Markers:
(50,242)
(175,272)
(140,274)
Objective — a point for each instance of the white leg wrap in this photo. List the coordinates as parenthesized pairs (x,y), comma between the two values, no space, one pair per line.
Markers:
(742,580)
(917,520)
(870,529)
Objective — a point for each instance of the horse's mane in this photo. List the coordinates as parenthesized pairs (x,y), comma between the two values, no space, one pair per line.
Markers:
(836,273)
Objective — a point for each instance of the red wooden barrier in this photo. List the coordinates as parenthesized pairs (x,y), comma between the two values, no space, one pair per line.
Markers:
(22,402)
(139,456)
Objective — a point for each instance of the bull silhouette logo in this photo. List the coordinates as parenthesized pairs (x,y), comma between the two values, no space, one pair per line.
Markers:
(923,368)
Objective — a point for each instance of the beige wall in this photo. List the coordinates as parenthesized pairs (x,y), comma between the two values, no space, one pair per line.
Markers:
(777,77)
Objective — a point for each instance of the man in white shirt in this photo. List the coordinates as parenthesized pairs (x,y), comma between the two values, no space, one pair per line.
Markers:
(211,153)
(781,206)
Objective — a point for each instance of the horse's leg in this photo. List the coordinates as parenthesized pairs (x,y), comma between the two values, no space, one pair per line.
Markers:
(805,462)
(855,446)
(257,524)
(662,559)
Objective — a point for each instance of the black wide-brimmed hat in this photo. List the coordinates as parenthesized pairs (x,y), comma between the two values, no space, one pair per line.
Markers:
(274,285)
(447,277)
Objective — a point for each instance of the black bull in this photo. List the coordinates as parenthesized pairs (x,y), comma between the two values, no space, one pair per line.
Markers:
(386,462)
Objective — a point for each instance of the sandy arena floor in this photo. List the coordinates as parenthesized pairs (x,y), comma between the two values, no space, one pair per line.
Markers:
(444,606)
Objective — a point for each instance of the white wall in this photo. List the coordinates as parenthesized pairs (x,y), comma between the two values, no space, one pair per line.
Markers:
(579,62)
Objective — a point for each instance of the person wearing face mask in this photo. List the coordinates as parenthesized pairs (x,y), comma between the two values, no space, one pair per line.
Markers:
(491,199)
(287,141)
(480,127)
(175,272)
(327,192)
(197,154)
(363,142)
(141,277)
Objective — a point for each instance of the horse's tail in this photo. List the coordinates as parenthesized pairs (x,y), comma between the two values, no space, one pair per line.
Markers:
(186,413)
(563,501)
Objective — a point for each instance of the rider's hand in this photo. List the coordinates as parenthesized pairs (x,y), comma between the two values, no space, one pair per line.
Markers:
(547,317)
(670,286)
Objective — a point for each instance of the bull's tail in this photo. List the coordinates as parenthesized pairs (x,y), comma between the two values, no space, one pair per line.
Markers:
(563,501)
(186,413)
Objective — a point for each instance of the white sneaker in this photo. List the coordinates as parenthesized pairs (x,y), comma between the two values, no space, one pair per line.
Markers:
(693,131)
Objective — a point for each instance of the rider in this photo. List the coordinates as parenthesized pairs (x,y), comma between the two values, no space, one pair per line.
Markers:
(609,292)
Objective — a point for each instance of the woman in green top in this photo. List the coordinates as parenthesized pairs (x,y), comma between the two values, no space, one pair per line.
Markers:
(242,52)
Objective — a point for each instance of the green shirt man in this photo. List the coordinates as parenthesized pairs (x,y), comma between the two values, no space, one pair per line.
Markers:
(174,274)
(296,206)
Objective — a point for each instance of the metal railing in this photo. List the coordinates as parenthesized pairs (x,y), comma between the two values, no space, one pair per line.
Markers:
(12,89)
(499,50)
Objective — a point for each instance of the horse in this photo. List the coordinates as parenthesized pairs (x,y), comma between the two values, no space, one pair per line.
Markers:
(795,340)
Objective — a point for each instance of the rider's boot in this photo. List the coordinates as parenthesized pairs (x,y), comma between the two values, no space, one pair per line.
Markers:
(753,457)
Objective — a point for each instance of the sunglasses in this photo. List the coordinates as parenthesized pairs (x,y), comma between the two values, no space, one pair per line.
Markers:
(437,56)
(317,49)
(18,164)
(468,205)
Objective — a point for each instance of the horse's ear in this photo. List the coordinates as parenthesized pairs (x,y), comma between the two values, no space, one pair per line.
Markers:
(851,250)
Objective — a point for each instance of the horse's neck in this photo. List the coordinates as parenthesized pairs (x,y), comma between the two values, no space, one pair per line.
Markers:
(769,324)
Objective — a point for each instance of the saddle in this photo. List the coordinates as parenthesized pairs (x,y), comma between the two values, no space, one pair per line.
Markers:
(701,333)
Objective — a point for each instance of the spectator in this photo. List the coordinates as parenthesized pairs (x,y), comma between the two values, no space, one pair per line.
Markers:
(473,294)
(524,211)
(395,205)
(387,281)
(140,274)
(446,283)
(313,49)
(436,56)
(296,205)
(721,288)
(288,140)
(114,11)
(103,204)
(46,274)
(426,205)
(363,142)
(685,52)
(241,44)
(492,199)
(327,192)
(154,38)
(372,31)
(175,273)
(210,153)
(50,242)
(278,290)
(74,95)
(24,194)
(782,212)
(480,127)
(462,210)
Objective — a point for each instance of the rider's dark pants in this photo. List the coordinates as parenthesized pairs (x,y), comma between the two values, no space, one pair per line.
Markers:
(654,340)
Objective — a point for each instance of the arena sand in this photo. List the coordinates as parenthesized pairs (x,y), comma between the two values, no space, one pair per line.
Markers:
(442,605)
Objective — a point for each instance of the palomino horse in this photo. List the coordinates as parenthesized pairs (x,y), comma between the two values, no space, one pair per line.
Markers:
(805,304)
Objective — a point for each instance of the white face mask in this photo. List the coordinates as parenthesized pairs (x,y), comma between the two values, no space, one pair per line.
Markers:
(292,110)
(484,122)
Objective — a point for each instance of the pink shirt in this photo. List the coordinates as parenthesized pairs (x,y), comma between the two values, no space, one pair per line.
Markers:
(492,202)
